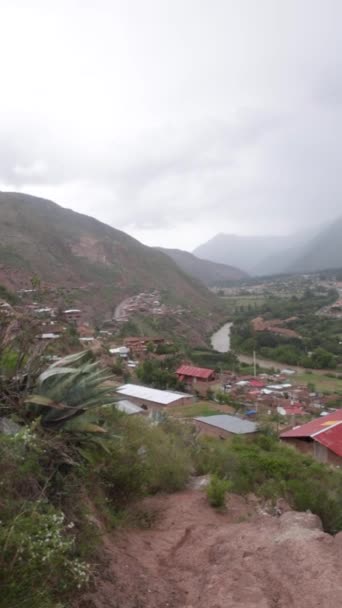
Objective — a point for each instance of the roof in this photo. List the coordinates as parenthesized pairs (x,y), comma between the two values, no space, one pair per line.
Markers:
(195,372)
(257,383)
(331,438)
(292,410)
(318,425)
(71,310)
(120,350)
(128,407)
(279,387)
(49,336)
(233,424)
(151,394)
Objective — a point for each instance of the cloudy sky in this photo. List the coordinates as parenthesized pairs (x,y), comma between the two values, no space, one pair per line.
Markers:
(175,119)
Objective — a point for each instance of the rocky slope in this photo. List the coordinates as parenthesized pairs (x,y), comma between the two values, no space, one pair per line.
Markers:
(71,250)
(195,557)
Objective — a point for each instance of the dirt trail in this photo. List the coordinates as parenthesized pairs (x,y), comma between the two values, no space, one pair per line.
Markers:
(194,557)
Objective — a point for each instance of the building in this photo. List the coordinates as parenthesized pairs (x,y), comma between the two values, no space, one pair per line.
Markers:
(72,315)
(127,407)
(48,336)
(190,374)
(321,438)
(224,426)
(153,398)
(120,351)
(139,345)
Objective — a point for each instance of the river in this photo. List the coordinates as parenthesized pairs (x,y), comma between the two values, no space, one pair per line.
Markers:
(220,340)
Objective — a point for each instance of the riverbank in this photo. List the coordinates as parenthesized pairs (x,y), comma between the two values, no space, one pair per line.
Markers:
(221,343)
(220,340)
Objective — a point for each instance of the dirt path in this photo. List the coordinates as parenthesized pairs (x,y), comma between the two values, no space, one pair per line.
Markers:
(194,557)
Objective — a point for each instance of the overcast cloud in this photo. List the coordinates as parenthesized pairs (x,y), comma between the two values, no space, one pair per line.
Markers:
(175,119)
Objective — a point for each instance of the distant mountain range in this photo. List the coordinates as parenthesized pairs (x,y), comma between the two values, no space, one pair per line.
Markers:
(245,252)
(209,273)
(71,250)
(265,255)
(321,252)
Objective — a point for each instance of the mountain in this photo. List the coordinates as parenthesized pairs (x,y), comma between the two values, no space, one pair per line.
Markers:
(98,264)
(258,255)
(245,252)
(210,273)
(322,252)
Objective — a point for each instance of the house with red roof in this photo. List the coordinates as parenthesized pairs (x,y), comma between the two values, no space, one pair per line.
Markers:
(321,437)
(191,374)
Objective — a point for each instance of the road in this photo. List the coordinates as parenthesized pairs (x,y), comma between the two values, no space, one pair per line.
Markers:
(267,363)
(221,343)
(119,313)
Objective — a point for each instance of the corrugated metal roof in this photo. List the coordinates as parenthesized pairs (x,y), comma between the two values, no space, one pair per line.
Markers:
(151,394)
(195,372)
(233,424)
(331,438)
(315,426)
(128,407)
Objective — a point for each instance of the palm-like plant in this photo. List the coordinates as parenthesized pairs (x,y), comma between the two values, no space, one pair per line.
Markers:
(68,389)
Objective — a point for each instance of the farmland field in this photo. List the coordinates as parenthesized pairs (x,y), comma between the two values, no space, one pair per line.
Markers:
(320,381)
(236,303)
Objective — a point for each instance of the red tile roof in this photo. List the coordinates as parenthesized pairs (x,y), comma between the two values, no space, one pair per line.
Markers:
(194,372)
(317,425)
(296,410)
(257,383)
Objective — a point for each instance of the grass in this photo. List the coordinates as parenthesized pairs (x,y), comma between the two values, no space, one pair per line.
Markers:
(236,302)
(321,382)
(203,408)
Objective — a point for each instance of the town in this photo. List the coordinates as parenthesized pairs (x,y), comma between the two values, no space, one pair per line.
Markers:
(155,374)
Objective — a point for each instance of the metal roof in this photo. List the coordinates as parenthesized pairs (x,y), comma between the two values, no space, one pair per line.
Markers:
(70,310)
(318,425)
(195,372)
(151,394)
(331,438)
(233,424)
(128,407)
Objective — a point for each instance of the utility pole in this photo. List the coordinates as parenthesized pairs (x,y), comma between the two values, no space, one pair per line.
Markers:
(254,363)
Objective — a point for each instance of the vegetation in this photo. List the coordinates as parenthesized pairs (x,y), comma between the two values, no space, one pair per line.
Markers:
(159,374)
(205,357)
(216,491)
(272,470)
(69,459)
(317,345)
(201,408)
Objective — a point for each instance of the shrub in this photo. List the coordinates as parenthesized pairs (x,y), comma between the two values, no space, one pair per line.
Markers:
(216,491)
(272,470)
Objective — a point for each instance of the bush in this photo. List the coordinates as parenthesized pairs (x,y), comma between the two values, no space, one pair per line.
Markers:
(144,459)
(273,470)
(216,491)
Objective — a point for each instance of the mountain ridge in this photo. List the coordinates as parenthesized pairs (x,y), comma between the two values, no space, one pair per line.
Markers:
(69,249)
(208,272)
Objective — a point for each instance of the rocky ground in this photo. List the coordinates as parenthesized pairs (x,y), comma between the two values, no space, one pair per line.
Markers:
(195,557)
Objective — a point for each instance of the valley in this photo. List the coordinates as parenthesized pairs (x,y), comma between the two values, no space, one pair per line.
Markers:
(130,404)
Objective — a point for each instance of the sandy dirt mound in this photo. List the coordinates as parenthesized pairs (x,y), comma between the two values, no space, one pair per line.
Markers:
(194,557)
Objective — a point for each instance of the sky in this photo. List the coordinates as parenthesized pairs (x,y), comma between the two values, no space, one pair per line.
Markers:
(174,120)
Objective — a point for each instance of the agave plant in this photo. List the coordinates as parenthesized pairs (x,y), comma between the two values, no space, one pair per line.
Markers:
(69,388)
